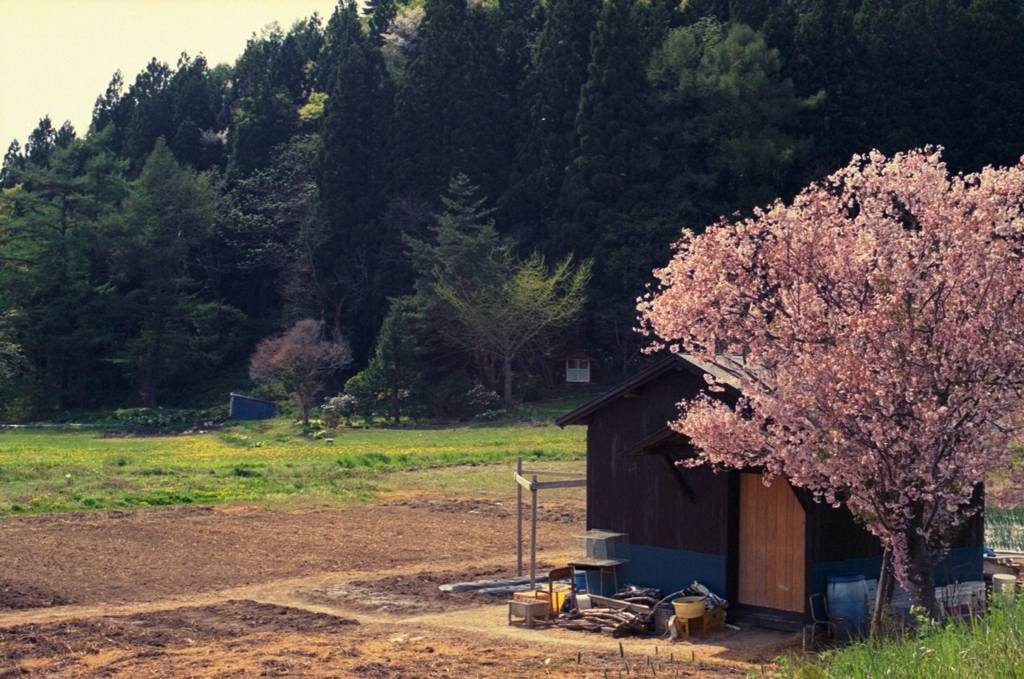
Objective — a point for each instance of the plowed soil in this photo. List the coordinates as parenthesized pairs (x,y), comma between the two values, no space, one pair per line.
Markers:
(246,592)
(121,557)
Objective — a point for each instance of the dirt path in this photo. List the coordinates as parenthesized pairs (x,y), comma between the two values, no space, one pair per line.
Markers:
(236,591)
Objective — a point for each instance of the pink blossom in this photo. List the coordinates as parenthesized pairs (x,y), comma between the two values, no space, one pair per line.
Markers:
(881,317)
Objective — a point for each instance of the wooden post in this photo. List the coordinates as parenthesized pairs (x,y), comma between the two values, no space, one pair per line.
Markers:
(533,536)
(519,520)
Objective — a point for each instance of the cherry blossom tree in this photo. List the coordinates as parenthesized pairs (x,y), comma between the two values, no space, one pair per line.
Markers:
(303,359)
(877,326)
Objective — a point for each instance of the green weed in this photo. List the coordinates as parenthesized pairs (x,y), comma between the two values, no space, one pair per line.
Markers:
(985,646)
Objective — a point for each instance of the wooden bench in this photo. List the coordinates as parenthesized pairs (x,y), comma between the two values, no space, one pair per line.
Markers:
(528,611)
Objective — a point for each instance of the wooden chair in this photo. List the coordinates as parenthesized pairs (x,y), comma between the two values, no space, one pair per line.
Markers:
(563,573)
(831,622)
(529,612)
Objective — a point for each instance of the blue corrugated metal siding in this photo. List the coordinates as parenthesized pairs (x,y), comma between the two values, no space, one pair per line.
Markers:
(248,408)
(670,570)
(960,565)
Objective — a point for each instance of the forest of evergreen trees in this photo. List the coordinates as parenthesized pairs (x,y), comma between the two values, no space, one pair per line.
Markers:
(207,207)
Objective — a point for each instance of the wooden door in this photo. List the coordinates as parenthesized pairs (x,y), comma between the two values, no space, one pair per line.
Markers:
(772,523)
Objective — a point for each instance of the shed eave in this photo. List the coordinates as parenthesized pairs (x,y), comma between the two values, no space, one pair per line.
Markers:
(658,437)
(673,361)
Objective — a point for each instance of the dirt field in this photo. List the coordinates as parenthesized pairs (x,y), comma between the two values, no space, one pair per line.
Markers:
(247,592)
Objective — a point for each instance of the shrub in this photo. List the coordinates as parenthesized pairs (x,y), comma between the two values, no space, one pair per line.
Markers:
(336,408)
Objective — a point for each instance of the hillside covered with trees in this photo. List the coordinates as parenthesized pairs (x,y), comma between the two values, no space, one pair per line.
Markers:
(396,161)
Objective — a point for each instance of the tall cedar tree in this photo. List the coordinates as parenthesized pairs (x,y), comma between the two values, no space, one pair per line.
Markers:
(262,101)
(15,163)
(111,112)
(392,370)
(54,273)
(351,181)
(607,176)
(380,14)
(550,103)
(173,324)
(354,126)
(195,99)
(451,116)
(992,128)
(828,58)
(277,227)
(150,112)
(518,23)
(459,245)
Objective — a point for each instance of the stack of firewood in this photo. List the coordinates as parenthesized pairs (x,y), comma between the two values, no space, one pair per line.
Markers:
(607,620)
(638,595)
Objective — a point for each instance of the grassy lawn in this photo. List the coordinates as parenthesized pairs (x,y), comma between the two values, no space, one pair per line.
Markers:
(486,480)
(48,470)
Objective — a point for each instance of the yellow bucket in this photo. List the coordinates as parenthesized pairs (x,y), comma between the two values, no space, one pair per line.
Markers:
(689,606)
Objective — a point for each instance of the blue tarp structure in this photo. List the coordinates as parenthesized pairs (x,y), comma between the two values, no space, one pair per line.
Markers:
(249,408)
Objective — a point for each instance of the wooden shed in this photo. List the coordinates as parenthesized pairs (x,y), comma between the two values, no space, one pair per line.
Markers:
(766,549)
(577,368)
(249,408)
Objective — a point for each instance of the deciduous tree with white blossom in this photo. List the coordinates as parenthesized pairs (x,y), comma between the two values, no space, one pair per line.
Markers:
(877,324)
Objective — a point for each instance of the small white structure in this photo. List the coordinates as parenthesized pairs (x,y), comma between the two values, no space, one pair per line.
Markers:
(577,368)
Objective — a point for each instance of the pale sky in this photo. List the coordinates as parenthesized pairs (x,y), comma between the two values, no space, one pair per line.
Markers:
(57,56)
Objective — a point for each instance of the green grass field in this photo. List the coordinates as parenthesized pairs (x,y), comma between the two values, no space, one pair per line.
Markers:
(50,470)
(1004,529)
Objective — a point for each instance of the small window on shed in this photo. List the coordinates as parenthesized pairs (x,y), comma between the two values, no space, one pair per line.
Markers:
(577,370)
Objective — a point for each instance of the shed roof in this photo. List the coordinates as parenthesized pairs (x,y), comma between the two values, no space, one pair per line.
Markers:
(672,362)
(252,398)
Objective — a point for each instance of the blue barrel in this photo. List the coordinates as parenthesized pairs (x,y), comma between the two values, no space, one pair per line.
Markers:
(581,582)
(848,598)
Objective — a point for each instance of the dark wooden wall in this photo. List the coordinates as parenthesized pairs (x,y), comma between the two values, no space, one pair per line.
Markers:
(972,532)
(835,535)
(640,495)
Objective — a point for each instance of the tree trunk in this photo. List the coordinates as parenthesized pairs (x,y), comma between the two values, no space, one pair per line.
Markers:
(489,377)
(153,360)
(394,397)
(508,380)
(922,575)
(305,413)
(149,394)
(149,379)
(883,599)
